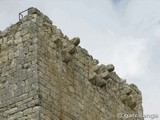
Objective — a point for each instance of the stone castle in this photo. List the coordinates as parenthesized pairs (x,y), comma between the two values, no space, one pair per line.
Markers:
(44,75)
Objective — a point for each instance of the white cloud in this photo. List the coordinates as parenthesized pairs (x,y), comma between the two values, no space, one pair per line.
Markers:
(157,33)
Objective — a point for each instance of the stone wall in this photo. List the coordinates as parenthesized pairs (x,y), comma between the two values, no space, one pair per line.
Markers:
(44,75)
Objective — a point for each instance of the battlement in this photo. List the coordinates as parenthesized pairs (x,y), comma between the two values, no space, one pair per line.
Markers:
(46,75)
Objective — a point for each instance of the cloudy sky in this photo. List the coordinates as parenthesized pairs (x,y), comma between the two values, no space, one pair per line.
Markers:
(123,32)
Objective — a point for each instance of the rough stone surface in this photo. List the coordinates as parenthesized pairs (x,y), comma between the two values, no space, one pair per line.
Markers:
(46,76)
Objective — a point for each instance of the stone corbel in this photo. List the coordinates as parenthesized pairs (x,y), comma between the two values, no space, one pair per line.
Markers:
(56,39)
(76,41)
(102,68)
(69,48)
(92,78)
(66,57)
(96,80)
(67,53)
(129,101)
(110,67)
(104,75)
(128,97)
(100,75)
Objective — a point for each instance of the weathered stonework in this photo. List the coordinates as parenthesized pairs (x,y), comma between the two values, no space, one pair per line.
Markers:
(46,76)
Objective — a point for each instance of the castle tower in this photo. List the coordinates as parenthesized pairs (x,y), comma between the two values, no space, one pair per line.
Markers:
(44,75)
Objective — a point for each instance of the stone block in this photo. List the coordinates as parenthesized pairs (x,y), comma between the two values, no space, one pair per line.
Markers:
(110,67)
(76,41)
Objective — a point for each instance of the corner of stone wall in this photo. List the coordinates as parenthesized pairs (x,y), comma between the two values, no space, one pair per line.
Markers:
(19,93)
(69,55)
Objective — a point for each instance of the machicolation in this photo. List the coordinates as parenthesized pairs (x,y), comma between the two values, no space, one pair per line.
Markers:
(44,75)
